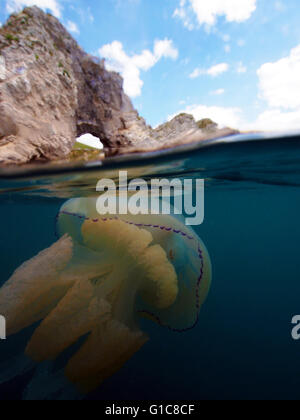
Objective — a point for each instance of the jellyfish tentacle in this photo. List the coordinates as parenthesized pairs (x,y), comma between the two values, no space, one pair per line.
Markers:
(115,344)
(35,288)
(86,305)
(73,317)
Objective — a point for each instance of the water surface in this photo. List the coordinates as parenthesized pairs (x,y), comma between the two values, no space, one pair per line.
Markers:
(241,347)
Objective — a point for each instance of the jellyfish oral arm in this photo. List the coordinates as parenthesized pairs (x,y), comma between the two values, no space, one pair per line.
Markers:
(36,287)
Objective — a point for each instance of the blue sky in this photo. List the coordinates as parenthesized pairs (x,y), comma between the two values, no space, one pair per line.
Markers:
(236,61)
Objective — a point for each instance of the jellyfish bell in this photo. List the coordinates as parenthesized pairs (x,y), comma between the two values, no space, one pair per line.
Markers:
(106,272)
(184,249)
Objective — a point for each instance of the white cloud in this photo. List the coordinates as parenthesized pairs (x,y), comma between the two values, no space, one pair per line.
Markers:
(185,61)
(227,48)
(213,71)
(223,116)
(196,73)
(226,38)
(90,15)
(207,12)
(241,68)
(241,43)
(52,5)
(218,69)
(130,67)
(218,92)
(279,86)
(279,6)
(234,117)
(165,49)
(274,120)
(72,27)
(183,13)
(279,82)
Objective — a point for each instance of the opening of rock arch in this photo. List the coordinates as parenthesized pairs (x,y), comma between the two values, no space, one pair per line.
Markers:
(90,141)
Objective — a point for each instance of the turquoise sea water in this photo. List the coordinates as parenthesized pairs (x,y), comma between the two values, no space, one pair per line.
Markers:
(242,346)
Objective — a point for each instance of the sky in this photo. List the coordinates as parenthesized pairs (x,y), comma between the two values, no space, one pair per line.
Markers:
(235,61)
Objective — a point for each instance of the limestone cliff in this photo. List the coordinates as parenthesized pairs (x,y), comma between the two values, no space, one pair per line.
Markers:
(182,129)
(51,92)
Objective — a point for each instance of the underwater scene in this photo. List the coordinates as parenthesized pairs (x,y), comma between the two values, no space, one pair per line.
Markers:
(148,306)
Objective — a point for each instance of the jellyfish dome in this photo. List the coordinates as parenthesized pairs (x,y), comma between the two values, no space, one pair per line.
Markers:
(103,274)
(184,250)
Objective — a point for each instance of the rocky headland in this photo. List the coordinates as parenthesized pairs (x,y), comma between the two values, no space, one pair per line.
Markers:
(51,92)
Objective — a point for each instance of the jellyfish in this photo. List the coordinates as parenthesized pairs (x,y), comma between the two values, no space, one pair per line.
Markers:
(96,282)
